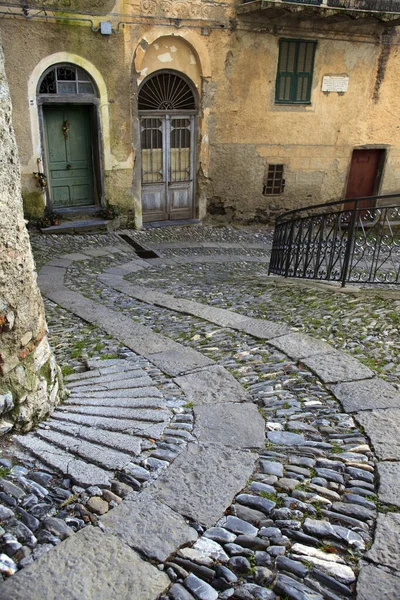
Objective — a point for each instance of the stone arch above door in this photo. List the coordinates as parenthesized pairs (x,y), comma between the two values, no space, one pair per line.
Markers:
(35,77)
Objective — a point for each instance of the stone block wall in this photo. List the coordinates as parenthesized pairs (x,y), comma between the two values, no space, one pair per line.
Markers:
(30,381)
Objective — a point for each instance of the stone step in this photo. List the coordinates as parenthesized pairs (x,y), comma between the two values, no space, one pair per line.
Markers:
(149,392)
(98,372)
(112,401)
(131,427)
(81,472)
(95,363)
(119,441)
(108,378)
(140,414)
(81,226)
(99,455)
(117,385)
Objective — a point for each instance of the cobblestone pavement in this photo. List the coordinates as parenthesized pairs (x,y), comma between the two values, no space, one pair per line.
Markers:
(244,477)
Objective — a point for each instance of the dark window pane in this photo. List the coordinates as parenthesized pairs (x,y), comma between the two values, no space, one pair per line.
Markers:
(66,74)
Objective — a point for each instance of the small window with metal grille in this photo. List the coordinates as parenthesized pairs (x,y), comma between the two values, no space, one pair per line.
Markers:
(274,182)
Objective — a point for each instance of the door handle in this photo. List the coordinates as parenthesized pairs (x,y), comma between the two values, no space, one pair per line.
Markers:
(69,166)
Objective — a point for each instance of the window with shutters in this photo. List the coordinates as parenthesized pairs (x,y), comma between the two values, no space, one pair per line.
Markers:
(295,71)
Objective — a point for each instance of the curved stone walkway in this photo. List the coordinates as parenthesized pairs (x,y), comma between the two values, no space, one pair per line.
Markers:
(202,481)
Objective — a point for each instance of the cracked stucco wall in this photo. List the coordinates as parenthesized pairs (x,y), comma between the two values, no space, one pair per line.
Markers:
(30,381)
(240,128)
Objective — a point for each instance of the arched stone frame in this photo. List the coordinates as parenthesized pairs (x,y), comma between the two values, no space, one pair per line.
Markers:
(197,45)
(105,156)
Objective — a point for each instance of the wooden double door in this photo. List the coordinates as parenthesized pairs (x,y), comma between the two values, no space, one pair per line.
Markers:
(69,155)
(167,152)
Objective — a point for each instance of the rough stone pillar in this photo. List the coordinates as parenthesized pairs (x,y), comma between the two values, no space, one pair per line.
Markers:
(29,377)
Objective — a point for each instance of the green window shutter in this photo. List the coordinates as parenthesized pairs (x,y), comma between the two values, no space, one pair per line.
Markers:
(295,70)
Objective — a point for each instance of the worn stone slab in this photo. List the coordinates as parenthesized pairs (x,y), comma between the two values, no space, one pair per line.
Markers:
(119,441)
(81,472)
(115,369)
(220,316)
(383,429)
(141,392)
(138,414)
(298,345)
(123,384)
(118,376)
(337,367)
(212,385)
(180,360)
(89,565)
(149,526)
(137,337)
(229,424)
(366,394)
(389,482)
(76,399)
(376,584)
(385,549)
(141,428)
(60,262)
(106,458)
(202,481)
(75,256)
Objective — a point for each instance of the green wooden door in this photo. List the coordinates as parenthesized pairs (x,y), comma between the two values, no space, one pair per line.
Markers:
(69,155)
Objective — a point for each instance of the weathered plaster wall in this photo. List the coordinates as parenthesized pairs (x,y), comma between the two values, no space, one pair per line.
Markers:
(314,142)
(27,44)
(29,376)
(240,128)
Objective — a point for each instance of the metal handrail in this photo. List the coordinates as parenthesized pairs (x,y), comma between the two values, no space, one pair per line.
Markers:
(355,240)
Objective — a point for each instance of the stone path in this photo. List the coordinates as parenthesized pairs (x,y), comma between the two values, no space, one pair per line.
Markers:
(270,445)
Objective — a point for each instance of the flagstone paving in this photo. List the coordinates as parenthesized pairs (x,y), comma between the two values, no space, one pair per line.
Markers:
(241,474)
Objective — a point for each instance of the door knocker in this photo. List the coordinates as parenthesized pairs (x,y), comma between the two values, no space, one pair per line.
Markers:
(65,129)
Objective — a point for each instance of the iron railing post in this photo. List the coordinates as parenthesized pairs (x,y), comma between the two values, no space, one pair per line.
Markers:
(349,245)
(289,248)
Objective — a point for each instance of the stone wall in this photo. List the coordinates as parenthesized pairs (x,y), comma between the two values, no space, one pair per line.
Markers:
(29,377)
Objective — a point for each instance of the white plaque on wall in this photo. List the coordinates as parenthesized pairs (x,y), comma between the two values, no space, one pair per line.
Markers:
(335,83)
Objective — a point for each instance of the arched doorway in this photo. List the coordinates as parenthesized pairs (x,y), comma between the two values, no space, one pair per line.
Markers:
(167,109)
(68,102)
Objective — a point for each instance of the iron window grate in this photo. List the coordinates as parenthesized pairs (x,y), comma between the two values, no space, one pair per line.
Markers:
(274,182)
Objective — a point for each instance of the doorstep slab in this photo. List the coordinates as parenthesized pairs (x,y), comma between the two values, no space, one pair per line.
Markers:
(89,565)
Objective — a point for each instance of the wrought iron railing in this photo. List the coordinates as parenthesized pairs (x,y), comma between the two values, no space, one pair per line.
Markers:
(364,5)
(355,241)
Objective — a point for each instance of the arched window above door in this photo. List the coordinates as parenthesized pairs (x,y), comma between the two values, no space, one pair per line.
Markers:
(166,91)
(64,80)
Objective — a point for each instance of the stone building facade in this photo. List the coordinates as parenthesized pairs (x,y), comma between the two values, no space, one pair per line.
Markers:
(30,381)
(175,109)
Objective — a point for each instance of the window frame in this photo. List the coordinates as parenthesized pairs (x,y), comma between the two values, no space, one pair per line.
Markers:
(275,172)
(295,76)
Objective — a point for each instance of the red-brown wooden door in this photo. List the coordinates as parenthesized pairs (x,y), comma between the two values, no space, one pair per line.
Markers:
(364,176)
